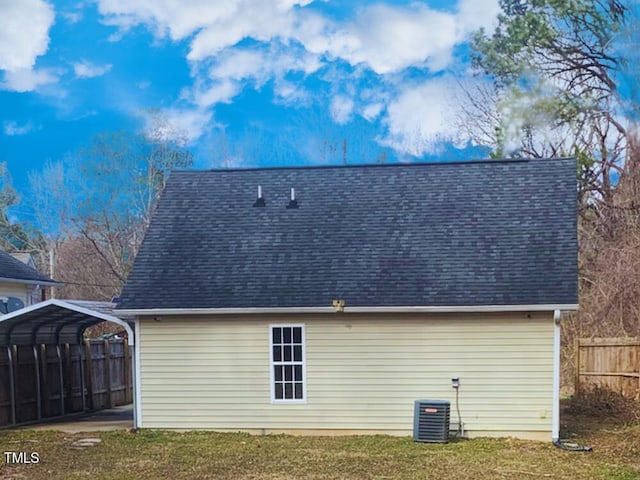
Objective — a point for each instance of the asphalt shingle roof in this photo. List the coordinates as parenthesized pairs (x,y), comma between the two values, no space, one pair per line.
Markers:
(14,269)
(449,234)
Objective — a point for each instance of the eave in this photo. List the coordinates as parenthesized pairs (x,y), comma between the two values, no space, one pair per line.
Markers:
(372,309)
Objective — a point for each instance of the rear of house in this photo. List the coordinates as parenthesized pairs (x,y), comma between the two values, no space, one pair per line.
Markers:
(326,300)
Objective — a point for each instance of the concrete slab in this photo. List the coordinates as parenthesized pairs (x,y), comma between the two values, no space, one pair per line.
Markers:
(119,418)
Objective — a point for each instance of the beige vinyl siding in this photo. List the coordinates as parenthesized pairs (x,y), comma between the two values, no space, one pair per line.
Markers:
(17,290)
(363,372)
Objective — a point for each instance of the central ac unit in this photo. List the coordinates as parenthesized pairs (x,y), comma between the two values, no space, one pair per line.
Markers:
(431,421)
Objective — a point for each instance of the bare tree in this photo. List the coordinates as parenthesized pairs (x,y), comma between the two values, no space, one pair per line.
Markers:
(99,204)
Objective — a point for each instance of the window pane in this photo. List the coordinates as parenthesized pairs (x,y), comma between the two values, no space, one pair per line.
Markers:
(286,335)
(279,395)
(297,335)
(297,353)
(298,373)
(287,353)
(288,373)
(277,354)
(277,369)
(298,390)
(277,335)
(288,390)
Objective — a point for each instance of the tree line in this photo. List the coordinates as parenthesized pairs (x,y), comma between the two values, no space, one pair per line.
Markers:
(90,210)
(561,79)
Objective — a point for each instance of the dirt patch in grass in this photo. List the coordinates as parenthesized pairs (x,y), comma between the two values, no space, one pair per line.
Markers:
(207,455)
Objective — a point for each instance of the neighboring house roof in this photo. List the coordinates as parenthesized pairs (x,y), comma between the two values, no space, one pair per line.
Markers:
(24,257)
(427,234)
(15,271)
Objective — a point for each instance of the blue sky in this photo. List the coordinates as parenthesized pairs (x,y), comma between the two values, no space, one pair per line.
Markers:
(249,82)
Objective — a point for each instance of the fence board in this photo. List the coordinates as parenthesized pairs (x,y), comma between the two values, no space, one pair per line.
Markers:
(5,394)
(612,363)
(106,366)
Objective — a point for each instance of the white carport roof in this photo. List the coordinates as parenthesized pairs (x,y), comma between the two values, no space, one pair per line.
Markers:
(57,322)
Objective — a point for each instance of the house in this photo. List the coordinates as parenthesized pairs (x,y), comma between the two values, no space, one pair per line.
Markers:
(20,283)
(326,300)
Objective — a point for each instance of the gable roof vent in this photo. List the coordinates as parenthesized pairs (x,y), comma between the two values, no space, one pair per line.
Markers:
(293,203)
(260,200)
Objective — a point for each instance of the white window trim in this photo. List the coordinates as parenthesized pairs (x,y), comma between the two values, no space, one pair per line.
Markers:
(274,400)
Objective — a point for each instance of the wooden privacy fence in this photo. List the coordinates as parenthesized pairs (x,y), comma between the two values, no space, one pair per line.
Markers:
(53,385)
(612,363)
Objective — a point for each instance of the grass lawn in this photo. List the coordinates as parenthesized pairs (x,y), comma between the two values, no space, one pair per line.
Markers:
(207,455)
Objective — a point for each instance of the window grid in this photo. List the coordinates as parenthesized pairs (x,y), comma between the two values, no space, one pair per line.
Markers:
(287,363)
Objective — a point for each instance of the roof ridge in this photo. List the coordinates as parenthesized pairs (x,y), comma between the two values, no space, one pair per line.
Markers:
(499,161)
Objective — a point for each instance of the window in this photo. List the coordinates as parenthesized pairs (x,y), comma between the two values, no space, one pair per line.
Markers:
(287,363)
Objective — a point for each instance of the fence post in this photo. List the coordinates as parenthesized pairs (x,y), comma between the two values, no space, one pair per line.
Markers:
(107,371)
(68,381)
(576,382)
(88,356)
(83,394)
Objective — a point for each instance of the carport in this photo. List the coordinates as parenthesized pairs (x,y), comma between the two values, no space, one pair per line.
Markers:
(55,323)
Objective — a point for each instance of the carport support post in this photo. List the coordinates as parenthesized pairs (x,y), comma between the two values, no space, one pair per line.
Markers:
(61,371)
(44,374)
(128,378)
(12,384)
(36,362)
(132,358)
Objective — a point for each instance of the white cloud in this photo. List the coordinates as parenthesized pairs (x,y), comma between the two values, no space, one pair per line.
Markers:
(191,123)
(72,17)
(289,93)
(217,92)
(341,109)
(475,14)
(383,37)
(85,69)
(387,38)
(422,118)
(12,128)
(235,67)
(372,111)
(26,80)
(260,20)
(24,32)
(390,38)
(216,24)
(238,64)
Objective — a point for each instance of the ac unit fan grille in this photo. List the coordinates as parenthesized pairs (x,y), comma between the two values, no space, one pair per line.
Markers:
(431,421)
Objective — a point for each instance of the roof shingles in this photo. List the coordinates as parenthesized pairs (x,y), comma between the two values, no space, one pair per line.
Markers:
(13,269)
(454,234)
